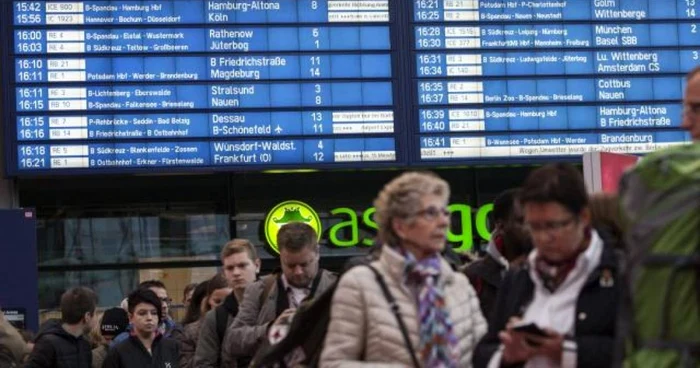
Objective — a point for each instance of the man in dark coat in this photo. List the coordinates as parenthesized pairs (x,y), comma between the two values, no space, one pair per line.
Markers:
(509,243)
(60,344)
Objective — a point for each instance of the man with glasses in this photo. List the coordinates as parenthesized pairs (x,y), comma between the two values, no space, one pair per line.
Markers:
(691,104)
(168,327)
(558,309)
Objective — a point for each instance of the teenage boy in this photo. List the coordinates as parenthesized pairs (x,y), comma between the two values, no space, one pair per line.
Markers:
(146,346)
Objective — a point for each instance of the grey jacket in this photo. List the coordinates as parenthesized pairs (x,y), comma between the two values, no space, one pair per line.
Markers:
(209,346)
(249,328)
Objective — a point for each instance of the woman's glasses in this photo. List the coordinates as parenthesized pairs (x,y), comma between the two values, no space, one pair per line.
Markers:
(432,213)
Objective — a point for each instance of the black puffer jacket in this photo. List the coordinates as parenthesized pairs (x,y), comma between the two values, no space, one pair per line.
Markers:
(596,312)
(55,348)
(131,353)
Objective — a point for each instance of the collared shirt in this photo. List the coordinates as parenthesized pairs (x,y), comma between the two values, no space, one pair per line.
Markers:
(294,294)
(493,251)
(557,310)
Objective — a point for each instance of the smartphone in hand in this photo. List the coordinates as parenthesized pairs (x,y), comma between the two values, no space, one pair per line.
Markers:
(529,328)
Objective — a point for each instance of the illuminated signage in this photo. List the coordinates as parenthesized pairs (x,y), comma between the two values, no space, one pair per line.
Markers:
(286,212)
(466,222)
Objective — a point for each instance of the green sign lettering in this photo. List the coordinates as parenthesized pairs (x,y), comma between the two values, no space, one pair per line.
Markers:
(464,237)
(351,223)
(481,221)
(368,220)
(460,235)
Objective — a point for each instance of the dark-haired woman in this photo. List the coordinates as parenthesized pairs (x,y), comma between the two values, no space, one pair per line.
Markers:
(207,295)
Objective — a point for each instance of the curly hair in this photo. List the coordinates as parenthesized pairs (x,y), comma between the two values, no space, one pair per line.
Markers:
(402,198)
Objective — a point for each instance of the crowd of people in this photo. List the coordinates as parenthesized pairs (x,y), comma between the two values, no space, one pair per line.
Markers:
(545,294)
(546,264)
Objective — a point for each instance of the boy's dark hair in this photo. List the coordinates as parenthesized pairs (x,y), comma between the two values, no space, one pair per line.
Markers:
(75,303)
(561,183)
(503,205)
(152,284)
(296,236)
(147,296)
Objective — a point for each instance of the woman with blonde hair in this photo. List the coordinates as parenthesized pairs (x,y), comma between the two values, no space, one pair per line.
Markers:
(112,322)
(434,319)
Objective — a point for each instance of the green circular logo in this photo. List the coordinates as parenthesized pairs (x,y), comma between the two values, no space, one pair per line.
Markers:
(286,212)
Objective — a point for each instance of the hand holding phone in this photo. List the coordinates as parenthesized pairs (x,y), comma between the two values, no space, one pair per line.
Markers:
(529,328)
(523,340)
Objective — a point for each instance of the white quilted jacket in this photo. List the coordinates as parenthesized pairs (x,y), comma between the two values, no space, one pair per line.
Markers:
(363,331)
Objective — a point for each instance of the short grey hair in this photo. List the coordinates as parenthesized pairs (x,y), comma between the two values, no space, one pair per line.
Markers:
(401,198)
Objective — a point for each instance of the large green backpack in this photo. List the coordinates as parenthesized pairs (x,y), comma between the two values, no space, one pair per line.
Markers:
(660,309)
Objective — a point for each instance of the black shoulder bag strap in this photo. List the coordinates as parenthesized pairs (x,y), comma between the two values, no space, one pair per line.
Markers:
(314,284)
(397,314)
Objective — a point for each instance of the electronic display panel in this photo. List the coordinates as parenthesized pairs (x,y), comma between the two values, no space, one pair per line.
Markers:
(132,86)
(517,81)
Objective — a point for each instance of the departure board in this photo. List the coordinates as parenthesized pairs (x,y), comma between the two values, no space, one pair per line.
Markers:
(123,86)
(500,81)
(130,86)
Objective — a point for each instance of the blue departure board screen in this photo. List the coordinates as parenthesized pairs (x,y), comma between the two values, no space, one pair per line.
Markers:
(499,81)
(128,86)
(184,85)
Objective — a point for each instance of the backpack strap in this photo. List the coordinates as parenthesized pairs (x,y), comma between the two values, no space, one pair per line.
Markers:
(268,282)
(282,302)
(221,318)
(228,308)
(315,283)
(397,314)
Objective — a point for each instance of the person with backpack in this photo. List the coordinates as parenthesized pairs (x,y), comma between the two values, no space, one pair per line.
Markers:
(560,307)
(146,345)
(691,104)
(277,296)
(659,321)
(240,265)
(409,308)
(301,345)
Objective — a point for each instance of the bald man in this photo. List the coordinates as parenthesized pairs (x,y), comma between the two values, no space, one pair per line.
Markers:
(691,104)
